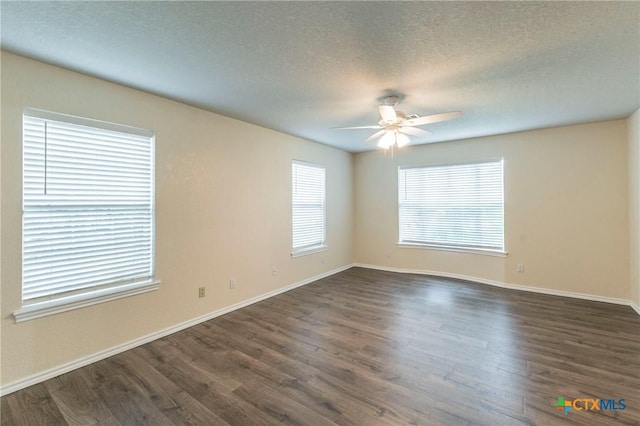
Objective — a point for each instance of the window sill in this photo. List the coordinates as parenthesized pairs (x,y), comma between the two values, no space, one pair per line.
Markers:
(77,301)
(310,250)
(496,253)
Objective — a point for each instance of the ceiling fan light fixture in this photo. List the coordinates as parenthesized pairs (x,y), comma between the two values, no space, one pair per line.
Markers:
(387,140)
(401,140)
(391,138)
(394,127)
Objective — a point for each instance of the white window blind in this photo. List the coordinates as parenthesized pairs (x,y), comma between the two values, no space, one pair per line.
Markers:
(88,207)
(308,210)
(453,206)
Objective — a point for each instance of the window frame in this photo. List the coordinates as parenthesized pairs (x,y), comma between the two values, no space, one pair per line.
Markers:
(92,295)
(321,246)
(452,247)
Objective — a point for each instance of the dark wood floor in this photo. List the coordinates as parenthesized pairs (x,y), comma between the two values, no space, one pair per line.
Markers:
(364,347)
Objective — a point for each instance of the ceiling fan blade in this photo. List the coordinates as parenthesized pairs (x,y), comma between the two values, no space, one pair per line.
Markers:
(413,131)
(356,127)
(375,135)
(435,118)
(387,113)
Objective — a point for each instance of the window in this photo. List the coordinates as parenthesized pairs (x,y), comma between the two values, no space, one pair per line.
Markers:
(308,212)
(88,213)
(457,206)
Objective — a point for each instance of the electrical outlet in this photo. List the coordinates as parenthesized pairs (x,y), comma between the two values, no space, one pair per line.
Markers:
(201,292)
(233,283)
(322,259)
(274,270)
(520,268)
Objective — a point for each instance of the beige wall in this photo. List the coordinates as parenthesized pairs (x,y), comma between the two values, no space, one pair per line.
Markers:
(566,209)
(222,211)
(634,205)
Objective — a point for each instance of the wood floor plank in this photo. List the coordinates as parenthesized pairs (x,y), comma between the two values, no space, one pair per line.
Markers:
(75,396)
(307,389)
(175,403)
(32,406)
(364,347)
(128,404)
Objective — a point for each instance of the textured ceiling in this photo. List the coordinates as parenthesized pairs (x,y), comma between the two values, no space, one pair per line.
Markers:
(304,67)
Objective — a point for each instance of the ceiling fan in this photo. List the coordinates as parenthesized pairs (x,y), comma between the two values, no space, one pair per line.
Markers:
(395,126)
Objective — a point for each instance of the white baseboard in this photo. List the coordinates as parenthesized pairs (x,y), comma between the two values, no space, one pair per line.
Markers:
(552,292)
(635,307)
(65,368)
